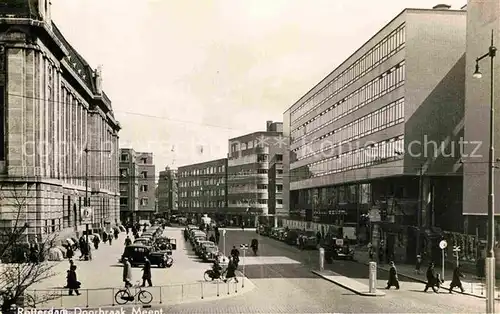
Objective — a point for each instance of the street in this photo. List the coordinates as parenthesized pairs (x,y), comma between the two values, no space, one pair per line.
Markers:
(290,287)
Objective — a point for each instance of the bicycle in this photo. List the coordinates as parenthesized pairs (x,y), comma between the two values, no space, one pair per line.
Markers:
(123,296)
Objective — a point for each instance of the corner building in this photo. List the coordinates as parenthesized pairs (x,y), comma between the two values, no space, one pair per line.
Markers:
(52,107)
(361,139)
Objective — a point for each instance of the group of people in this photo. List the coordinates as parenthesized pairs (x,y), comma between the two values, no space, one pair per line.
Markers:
(434,279)
(146,273)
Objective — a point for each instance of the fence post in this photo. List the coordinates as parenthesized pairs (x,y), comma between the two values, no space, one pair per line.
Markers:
(217,288)
(113,296)
(471,287)
(160,296)
(228,287)
(87,297)
(182,291)
(202,290)
(62,301)
(235,287)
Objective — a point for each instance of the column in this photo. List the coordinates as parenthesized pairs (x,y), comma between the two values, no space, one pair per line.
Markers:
(46,114)
(74,151)
(69,145)
(81,143)
(57,121)
(38,146)
(29,121)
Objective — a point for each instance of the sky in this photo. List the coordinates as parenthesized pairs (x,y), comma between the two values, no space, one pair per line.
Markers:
(184,76)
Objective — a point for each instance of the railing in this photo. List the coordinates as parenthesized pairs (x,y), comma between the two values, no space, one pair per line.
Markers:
(92,298)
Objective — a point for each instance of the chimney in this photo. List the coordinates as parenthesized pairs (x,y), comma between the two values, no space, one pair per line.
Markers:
(98,80)
(268,125)
(441,7)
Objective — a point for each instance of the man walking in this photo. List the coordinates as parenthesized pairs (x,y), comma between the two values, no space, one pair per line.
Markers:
(393,277)
(146,275)
(456,282)
(432,280)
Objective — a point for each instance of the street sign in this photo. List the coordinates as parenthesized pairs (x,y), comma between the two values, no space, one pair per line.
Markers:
(223,232)
(244,246)
(86,214)
(443,244)
(456,249)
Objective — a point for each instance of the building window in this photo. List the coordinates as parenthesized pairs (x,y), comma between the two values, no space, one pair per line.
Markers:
(123,200)
(279,188)
(144,201)
(261,158)
(2,120)
(124,157)
(123,172)
(144,160)
(263,202)
(144,174)
(261,186)
(144,188)
(261,171)
(279,157)
(279,202)
(279,171)
(123,187)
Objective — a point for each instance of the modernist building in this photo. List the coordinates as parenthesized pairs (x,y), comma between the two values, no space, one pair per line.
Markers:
(482,18)
(52,107)
(203,188)
(137,185)
(248,173)
(362,139)
(167,192)
(129,185)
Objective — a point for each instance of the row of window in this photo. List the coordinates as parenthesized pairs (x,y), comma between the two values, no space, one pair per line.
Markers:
(387,47)
(198,193)
(142,201)
(124,173)
(376,88)
(250,188)
(198,172)
(375,121)
(207,204)
(124,157)
(362,157)
(248,202)
(124,187)
(199,182)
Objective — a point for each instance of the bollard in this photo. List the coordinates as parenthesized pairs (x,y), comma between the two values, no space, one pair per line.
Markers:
(372,275)
(471,287)
(217,288)
(202,290)
(112,296)
(321,259)
(228,287)
(160,295)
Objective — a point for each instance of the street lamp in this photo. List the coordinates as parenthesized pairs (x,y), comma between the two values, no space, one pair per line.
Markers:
(490,253)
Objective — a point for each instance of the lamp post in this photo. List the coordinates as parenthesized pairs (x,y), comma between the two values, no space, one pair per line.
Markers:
(86,201)
(490,253)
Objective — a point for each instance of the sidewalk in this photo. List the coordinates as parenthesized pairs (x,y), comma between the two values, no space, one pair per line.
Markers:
(472,286)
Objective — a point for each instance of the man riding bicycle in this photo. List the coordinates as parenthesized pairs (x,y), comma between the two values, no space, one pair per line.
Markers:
(255,246)
(216,268)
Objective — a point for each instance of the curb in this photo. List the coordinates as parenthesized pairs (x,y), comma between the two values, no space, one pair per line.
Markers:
(424,281)
(364,294)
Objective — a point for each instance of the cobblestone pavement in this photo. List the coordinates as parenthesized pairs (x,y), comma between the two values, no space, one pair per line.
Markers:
(292,288)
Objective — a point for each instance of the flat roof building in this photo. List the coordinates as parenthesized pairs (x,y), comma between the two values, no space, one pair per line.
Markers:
(363,138)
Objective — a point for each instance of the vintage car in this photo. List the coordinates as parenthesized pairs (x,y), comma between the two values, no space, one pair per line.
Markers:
(210,253)
(197,237)
(277,232)
(200,247)
(143,241)
(137,252)
(336,248)
(307,240)
(163,243)
(292,236)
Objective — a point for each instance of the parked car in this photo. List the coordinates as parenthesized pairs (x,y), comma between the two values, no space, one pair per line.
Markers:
(198,249)
(309,240)
(337,248)
(292,236)
(137,252)
(144,241)
(163,243)
(210,253)
(276,232)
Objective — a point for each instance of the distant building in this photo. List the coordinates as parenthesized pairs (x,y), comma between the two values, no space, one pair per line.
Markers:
(203,189)
(137,185)
(249,162)
(167,192)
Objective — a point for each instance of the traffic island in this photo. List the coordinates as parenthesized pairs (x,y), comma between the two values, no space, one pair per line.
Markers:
(348,283)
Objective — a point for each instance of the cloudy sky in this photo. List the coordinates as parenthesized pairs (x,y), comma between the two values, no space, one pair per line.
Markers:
(186,75)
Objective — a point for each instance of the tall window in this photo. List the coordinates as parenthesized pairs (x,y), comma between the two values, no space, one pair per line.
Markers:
(2,122)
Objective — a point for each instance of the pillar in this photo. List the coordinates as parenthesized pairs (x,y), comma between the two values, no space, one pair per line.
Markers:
(30,116)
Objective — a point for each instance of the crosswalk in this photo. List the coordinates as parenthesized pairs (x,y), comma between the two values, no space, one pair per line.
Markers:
(267,260)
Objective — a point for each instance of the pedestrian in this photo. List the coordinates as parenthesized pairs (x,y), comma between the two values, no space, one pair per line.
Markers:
(69,252)
(217,235)
(212,239)
(146,273)
(370,251)
(231,269)
(455,281)
(116,233)
(89,252)
(96,241)
(72,283)
(432,280)
(110,240)
(127,273)
(418,264)
(235,256)
(393,277)
(128,241)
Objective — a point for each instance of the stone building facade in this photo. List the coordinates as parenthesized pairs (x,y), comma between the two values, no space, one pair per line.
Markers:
(52,107)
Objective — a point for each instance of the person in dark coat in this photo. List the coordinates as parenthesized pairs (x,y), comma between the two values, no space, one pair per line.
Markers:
(431,278)
(418,264)
(128,241)
(69,252)
(96,241)
(235,256)
(146,273)
(231,269)
(217,235)
(393,277)
(455,281)
(116,233)
(72,282)
(110,239)
(127,273)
